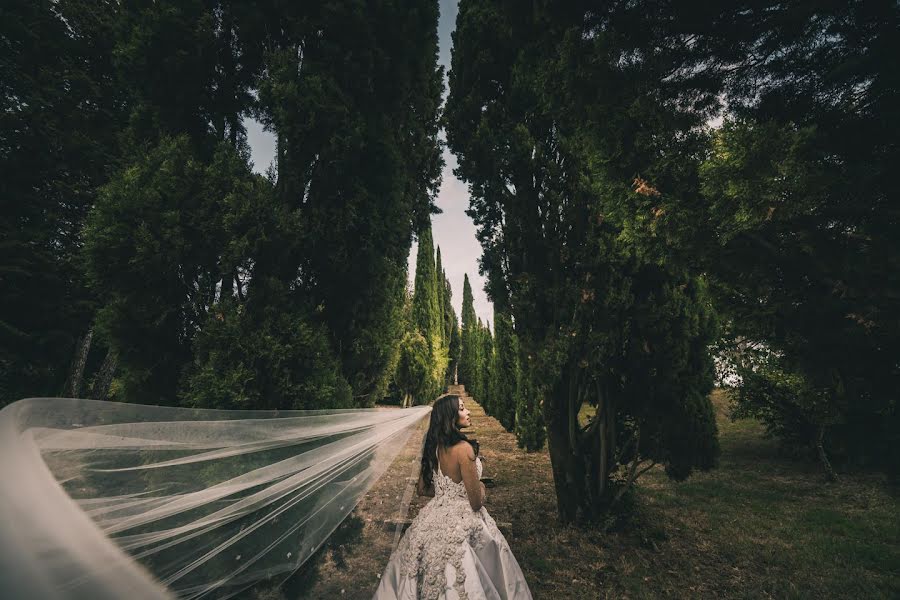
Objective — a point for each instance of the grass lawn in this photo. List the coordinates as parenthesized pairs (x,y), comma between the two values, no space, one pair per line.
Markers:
(760,526)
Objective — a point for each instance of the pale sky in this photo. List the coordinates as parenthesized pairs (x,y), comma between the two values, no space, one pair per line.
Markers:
(453,230)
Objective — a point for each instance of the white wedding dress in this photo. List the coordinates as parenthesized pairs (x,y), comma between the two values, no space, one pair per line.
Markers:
(451,552)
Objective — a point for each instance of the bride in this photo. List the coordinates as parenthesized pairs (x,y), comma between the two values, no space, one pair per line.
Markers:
(453,548)
(113,500)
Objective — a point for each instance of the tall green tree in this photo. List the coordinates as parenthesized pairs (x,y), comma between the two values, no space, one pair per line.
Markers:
(151,246)
(505,371)
(428,310)
(451,329)
(486,380)
(160,239)
(530,431)
(468,360)
(60,114)
(289,287)
(359,160)
(800,179)
(553,118)
(412,369)
(477,371)
(777,206)
(443,298)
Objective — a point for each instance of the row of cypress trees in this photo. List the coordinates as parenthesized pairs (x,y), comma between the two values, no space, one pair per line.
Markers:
(429,352)
(497,376)
(136,236)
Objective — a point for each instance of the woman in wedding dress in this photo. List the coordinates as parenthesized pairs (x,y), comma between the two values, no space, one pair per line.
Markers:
(453,549)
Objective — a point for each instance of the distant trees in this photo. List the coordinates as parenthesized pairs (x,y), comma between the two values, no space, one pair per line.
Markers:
(504,371)
(412,373)
(429,318)
(492,371)
(469,371)
(451,323)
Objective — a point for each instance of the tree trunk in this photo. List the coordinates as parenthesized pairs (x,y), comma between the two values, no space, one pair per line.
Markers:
(103,381)
(78,363)
(568,464)
(596,464)
(581,466)
(227,289)
(823,457)
(565,472)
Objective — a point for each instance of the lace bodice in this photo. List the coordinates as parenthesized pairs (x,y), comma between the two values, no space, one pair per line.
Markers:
(446,487)
(441,532)
(447,545)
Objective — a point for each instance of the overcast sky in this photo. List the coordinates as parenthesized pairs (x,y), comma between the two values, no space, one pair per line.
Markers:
(453,230)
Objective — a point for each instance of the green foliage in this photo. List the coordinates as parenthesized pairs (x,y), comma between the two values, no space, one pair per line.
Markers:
(486,364)
(824,349)
(553,115)
(451,332)
(152,248)
(477,365)
(676,417)
(428,311)
(529,426)
(443,299)
(146,101)
(358,160)
(505,371)
(469,371)
(800,199)
(413,374)
(450,324)
(455,348)
(279,361)
(60,113)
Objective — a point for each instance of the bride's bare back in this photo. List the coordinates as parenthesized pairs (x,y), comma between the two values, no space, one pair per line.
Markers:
(458,463)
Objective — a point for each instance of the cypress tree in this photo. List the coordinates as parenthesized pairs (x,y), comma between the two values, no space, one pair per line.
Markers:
(442,299)
(505,372)
(487,369)
(451,332)
(425,299)
(61,116)
(278,291)
(478,358)
(455,350)
(427,316)
(529,426)
(468,361)
(358,161)
(607,321)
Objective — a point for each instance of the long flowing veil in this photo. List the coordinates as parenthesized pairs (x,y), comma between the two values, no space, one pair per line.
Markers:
(112,500)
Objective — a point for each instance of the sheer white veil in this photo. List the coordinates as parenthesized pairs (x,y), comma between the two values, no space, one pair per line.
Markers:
(112,500)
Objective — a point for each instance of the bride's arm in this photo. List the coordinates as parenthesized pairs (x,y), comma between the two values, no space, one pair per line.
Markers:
(474,487)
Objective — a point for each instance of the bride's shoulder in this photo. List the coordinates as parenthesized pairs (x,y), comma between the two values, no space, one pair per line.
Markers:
(463,448)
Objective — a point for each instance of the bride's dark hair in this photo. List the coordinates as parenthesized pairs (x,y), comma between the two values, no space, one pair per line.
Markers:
(443,432)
